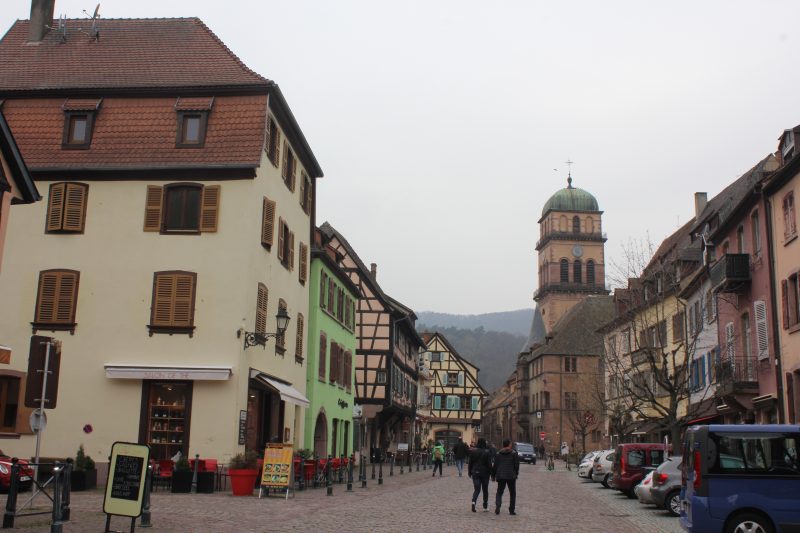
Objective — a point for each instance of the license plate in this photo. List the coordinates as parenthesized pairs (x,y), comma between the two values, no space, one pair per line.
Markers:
(24,478)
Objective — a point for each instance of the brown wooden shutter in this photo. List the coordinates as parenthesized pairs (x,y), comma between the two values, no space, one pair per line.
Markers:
(303,262)
(284,166)
(785,303)
(75,206)
(163,289)
(46,301)
(66,296)
(209,210)
(348,370)
(268,222)
(55,207)
(293,171)
(58,291)
(323,356)
(152,208)
(299,341)
(280,239)
(183,314)
(291,250)
(173,299)
(302,196)
(261,308)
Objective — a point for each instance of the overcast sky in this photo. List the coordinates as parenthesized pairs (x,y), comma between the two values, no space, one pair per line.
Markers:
(439,124)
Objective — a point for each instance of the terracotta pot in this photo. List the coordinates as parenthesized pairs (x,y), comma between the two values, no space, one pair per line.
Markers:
(243,481)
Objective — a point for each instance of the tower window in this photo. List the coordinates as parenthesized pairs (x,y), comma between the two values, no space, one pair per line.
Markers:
(590,273)
(576,224)
(576,271)
(564,271)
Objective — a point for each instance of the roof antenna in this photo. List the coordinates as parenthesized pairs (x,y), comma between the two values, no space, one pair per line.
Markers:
(62,27)
(94,33)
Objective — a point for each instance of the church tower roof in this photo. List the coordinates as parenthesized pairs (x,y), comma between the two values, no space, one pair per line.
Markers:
(571,199)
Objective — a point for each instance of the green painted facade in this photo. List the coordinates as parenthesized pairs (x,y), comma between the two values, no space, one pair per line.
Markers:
(331,399)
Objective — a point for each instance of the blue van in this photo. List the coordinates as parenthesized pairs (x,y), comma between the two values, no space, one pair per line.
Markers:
(741,479)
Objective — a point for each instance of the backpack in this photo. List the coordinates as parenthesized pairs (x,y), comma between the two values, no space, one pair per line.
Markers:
(437,454)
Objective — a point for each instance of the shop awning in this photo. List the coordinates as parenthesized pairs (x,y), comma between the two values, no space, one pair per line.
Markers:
(284,388)
(194,373)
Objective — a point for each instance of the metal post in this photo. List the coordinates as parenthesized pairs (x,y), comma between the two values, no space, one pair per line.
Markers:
(316,470)
(363,467)
(401,467)
(380,472)
(350,473)
(194,473)
(391,467)
(66,489)
(45,372)
(302,485)
(341,469)
(57,526)
(329,482)
(148,484)
(373,468)
(424,462)
(417,461)
(13,490)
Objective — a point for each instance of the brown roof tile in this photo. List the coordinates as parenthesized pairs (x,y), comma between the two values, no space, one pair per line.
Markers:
(130,53)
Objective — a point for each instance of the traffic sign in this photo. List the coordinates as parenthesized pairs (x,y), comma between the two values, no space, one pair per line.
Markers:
(542,435)
(38,420)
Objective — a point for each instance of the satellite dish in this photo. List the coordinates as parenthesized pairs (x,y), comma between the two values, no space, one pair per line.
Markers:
(95,33)
(96,12)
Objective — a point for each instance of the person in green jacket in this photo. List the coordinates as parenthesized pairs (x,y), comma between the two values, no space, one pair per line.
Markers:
(438,457)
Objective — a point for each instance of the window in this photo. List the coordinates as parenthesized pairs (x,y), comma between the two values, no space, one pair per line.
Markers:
(452,378)
(570,364)
(437,401)
(66,208)
(306,192)
(677,327)
(273,144)
(289,166)
(711,306)
(465,403)
(576,271)
(730,345)
(348,369)
(740,240)
(323,289)
(323,359)
(182,208)
(453,403)
(755,227)
(564,271)
(746,336)
(546,399)
(267,223)
(280,340)
(475,402)
(380,376)
(191,129)
(790,296)
(570,400)
(298,350)
(789,221)
(78,127)
(436,357)
(635,458)
(576,224)
(9,403)
(286,247)
(172,308)
(771,454)
(698,317)
(302,274)
(590,281)
(261,308)
(56,300)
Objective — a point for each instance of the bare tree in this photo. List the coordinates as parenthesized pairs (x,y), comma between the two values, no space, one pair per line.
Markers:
(587,412)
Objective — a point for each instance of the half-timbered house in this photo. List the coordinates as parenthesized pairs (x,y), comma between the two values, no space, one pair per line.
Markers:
(456,396)
(388,347)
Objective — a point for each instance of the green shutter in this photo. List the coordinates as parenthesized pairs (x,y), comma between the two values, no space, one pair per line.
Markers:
(461,379)
(474,403)
(437,401)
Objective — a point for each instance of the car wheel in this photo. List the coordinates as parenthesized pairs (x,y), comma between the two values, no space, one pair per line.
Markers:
(631,494)
(606,479)
(749,523)
(672,503)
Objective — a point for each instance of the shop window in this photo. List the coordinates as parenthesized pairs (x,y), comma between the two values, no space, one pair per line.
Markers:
(166,418)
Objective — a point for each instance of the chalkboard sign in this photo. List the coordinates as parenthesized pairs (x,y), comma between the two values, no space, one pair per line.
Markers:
(126,479)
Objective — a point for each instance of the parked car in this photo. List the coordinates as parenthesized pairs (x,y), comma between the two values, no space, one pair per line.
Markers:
(666,488)
(642,490)
(586,463)
(630,462)
(25,473)
(602,467)
(526,452)
(741,478)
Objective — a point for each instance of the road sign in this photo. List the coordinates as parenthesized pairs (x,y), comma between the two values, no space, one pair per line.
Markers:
(35,378)
(542,434)
(538,414)
(38,420)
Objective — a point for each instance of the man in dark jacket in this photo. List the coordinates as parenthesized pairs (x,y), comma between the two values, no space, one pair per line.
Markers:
(479,469)
(460,452)
(505,471)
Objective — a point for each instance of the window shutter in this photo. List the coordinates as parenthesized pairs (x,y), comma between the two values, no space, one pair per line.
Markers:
(284,167)
(209,211)
(58,291)
(173,299)
(785,302)
(461,379)
(729,341)
(152,208)
(303,262)
(75,206)
(261,308)
(163,289)
(280,239)
(55,206)
(268,222)
(277,144)
(291,250)
(334,362)
(302,196)
(293,170)
(67,292)
(437,401)
(475,403)
(323,347)
(760,312)
(348,369)
(48,290)
(298,352)
(184,297)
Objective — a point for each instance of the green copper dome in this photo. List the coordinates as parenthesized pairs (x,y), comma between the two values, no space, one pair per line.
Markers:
(571,199)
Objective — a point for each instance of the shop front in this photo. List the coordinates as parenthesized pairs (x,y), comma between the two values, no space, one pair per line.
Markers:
(268,399)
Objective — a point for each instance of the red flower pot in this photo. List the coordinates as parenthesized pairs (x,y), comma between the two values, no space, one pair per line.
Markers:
(243,481)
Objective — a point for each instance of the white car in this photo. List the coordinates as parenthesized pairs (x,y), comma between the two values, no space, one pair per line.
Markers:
(586,464)
(601,471)
(642,490)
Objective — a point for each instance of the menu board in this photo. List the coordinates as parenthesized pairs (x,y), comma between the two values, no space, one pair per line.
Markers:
(126,479)
(277,465)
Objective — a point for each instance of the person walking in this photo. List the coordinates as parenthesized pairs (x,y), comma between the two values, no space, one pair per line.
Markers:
(438,457)
(479,469)
(505,471)
(460,452)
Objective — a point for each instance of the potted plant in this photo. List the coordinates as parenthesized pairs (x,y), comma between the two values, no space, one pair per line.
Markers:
(84,474)
(182,476)
(243,471)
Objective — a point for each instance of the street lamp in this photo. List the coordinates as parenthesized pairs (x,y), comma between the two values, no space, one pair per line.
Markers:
(259,338)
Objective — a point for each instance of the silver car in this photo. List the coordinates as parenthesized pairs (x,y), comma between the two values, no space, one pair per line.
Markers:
(642,490)
(601,470)
(666,487)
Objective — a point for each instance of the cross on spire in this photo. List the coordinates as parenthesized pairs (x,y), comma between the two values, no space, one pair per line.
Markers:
(569,172)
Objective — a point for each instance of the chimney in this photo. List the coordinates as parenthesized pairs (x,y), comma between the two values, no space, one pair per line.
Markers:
(700,201)
(373,270)
(41,19)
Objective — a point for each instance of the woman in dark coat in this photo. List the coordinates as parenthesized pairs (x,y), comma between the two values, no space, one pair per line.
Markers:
(480,469)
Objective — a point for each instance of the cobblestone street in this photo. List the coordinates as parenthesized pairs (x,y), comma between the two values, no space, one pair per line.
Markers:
(547,502)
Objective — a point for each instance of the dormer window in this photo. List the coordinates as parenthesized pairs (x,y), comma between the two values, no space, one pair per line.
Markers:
(192,119)
(79,118)
(787,146)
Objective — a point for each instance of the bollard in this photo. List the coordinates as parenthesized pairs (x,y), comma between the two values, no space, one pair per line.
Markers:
(373,468)
(424,462)
(401,467)
(57,526)
(363,468)
(194,473)
(341,469)
(391,467)
(380,473)
(13,490)
(417,462)
(329,482)
(316,470)
(148,486)
(66,489)
(350,473)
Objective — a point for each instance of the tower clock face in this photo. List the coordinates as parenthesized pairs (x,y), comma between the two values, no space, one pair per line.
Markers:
(577,250)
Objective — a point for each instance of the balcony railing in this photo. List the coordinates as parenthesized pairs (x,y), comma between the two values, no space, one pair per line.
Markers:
(737,375)
(571,287)
(571,236)
(731,273)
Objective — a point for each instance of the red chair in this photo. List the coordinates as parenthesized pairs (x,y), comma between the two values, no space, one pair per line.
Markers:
(163,475)
(201,465)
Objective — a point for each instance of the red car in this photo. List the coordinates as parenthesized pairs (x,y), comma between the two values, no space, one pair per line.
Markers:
(632,462)
(25,473)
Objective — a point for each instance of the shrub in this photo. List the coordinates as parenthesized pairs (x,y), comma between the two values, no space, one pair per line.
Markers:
(244,461)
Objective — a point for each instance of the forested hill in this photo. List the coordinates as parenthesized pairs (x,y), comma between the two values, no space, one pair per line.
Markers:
(493,352)
(515,322)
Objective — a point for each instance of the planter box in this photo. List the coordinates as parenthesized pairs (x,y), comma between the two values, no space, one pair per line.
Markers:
(205,482)
(243,481)
(83,480)
(182,481)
